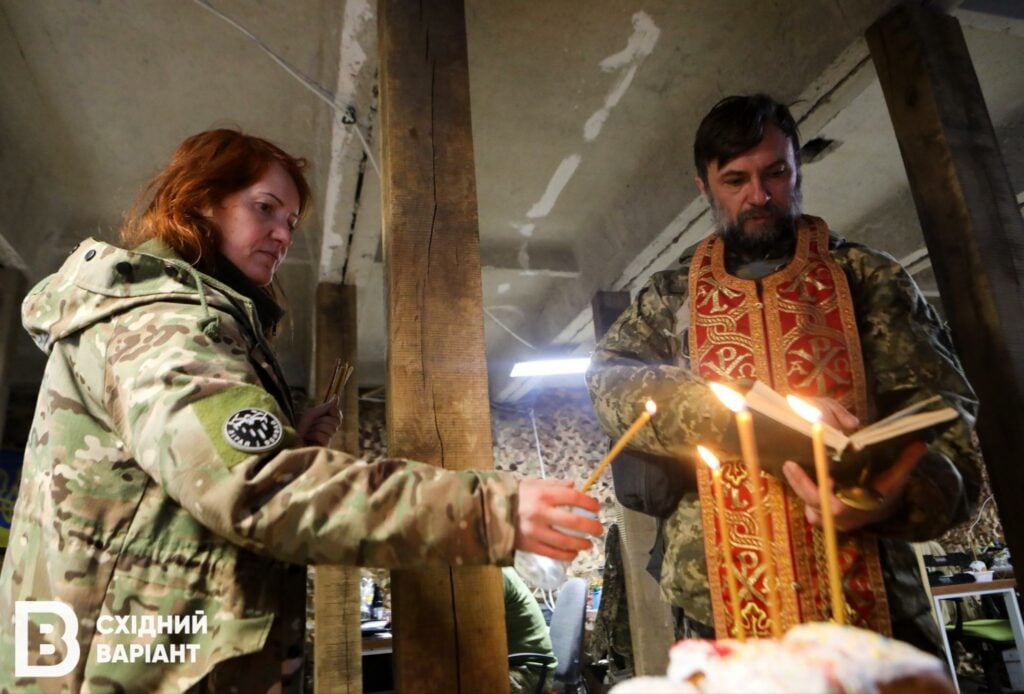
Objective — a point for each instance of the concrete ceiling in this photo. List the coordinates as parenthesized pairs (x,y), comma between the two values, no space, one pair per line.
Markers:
(583,117)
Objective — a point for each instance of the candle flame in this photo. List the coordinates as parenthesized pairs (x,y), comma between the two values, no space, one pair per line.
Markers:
(729,397)
(708,457)
(804,409)
(651,407)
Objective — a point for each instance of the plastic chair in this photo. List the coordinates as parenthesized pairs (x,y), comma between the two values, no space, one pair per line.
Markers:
(567,625)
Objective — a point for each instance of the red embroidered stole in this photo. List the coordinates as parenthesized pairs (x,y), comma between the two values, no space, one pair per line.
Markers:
(799,335)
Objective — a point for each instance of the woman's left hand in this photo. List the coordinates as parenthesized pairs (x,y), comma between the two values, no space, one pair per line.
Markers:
(318,424)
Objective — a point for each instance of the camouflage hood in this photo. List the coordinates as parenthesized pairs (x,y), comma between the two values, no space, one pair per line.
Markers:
(163,480)
(99,281)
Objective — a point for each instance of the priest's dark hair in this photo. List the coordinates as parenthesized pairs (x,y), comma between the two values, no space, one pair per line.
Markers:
(737,123)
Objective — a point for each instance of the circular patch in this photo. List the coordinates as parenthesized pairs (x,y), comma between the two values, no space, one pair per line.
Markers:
(253,430)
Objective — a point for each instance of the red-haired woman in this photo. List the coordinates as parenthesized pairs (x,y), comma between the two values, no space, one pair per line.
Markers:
(170,497)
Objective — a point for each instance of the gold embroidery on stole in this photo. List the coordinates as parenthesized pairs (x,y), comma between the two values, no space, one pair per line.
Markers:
(799,334)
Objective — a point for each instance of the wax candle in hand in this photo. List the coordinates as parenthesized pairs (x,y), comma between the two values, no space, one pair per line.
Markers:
(649,409)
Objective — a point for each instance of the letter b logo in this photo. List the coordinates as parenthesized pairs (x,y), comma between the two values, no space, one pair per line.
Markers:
(22,610)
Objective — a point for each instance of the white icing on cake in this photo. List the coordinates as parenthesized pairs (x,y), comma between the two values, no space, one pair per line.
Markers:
(860,659)
(818,658)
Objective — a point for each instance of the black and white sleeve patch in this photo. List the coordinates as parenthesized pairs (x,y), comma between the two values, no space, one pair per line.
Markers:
(253,430)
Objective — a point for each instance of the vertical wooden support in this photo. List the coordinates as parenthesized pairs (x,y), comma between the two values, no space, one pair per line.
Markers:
(12,291)
(448,623)
(650,617)
(337,654)
(971,225)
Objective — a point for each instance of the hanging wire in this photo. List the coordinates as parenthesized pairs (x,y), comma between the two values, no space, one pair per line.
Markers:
(977,520)
(321,93)
(507,329)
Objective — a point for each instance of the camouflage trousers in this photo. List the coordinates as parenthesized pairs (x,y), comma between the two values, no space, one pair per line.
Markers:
(684,571)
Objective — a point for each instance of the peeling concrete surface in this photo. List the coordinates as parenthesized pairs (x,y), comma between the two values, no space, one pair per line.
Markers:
(583,116)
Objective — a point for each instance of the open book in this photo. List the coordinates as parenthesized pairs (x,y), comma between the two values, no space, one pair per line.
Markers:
(762,399)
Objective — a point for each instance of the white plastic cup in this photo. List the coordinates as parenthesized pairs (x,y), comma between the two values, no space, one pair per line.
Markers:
(543,572)
(579,512)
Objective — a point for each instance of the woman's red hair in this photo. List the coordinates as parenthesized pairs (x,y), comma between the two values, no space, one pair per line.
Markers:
(204,170)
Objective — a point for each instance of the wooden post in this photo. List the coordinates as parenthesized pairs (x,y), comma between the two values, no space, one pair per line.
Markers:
(971,225)
(650,617)
(449,625)
(337,645)
(12,291)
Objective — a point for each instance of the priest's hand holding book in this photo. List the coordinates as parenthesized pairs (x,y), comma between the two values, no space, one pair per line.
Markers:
(869,466)
(887,485)
(783,435)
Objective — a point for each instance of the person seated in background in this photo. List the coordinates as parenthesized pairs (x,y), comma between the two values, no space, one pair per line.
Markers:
(526,632)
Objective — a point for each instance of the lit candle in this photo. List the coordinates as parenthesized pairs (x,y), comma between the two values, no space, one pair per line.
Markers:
(734,401)
(734,595)
(649,409)
(813,415)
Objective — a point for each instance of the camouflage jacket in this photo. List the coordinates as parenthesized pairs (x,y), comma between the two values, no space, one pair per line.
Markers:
(907,355)
(164,490)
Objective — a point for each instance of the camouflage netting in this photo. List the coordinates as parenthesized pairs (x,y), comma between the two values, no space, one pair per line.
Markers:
(571,444)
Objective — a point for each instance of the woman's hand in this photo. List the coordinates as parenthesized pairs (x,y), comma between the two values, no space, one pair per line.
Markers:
(890,484)
(540,503)
(318,424)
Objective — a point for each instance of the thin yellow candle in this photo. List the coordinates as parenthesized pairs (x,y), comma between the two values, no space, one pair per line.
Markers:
(734,595)
(835,580)
(734,401)
(649,409)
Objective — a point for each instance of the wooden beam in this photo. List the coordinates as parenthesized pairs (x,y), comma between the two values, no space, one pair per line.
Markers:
(650,617)
(337,645)
(971,225)
(449,624)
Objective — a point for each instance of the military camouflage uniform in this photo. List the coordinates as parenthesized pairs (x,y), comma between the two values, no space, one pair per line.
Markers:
(907,356)
(144,494)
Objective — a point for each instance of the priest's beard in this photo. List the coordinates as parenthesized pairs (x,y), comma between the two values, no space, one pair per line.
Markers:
(762,240)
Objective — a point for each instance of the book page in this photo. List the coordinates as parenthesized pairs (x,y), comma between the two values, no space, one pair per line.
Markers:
(897,427)
(771,404)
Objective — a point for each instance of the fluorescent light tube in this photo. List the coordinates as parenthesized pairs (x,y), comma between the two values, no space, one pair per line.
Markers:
(550,367)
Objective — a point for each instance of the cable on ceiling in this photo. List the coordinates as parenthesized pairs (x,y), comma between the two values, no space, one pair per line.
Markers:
(507,329)
(342,113)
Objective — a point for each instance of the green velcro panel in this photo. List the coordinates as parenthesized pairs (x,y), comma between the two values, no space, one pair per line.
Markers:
(213,411)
